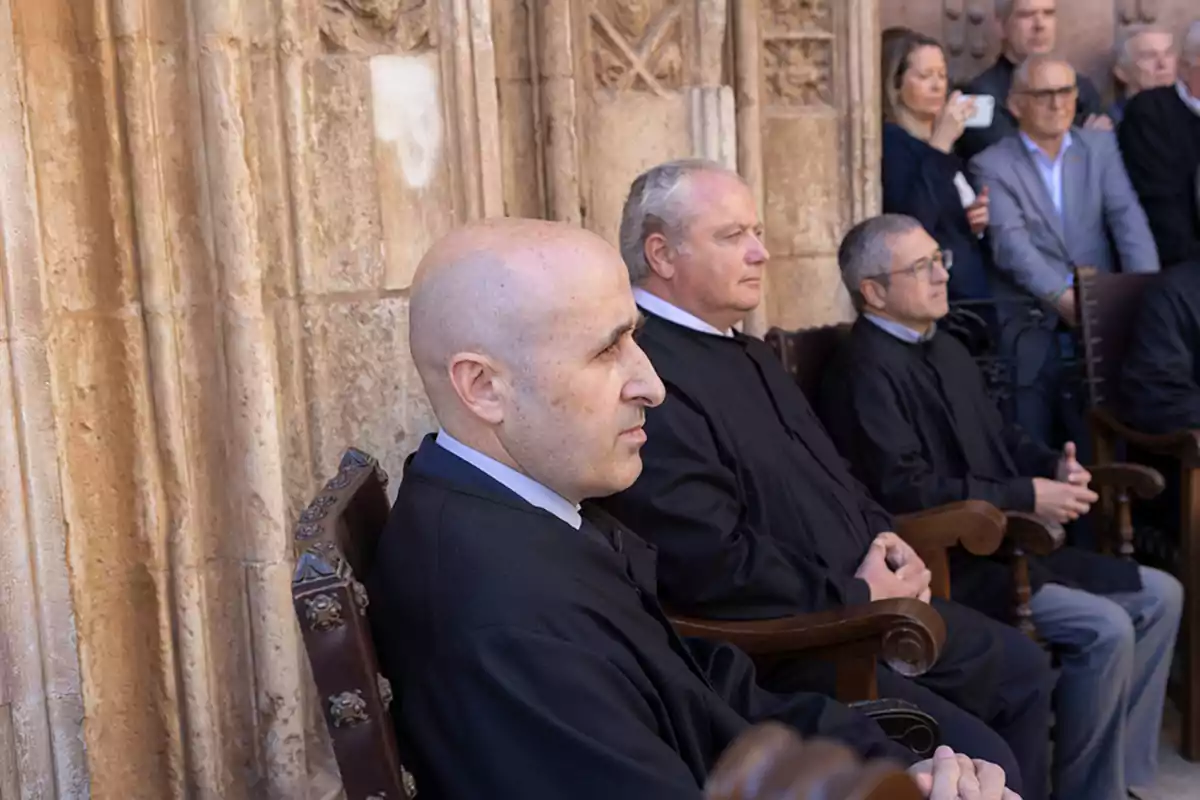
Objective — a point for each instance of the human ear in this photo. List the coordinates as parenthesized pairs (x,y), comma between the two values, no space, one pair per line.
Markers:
(480,386)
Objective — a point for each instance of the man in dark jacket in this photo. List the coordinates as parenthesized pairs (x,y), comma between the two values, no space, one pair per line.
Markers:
(1030,28)
(530,656)
(907,406)
(1160,380)
(752,510)
(1160,143)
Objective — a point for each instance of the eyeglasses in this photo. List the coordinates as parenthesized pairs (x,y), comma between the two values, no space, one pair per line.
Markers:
(1045,96)
(921,268)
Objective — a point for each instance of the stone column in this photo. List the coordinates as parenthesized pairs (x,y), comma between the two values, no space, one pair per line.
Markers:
(820,147)
(210,212)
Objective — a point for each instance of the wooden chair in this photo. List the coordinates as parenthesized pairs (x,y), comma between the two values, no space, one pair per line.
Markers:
(335,540)
(770,762)
(1108,306)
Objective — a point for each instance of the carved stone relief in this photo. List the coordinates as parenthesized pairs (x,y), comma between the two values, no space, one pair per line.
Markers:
(378,26)
(799,73)
(796,15)
(798,53)
(966,31)
(637,45)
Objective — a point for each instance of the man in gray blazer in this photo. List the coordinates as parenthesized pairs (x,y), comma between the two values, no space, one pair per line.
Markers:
(1060,198)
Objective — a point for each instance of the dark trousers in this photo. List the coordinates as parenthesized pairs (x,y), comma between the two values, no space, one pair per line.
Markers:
(990,693)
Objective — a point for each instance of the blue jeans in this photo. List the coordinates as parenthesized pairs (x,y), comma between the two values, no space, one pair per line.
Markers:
(1116,656)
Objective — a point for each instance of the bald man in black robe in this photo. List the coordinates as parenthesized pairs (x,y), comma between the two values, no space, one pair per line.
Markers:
(521,632)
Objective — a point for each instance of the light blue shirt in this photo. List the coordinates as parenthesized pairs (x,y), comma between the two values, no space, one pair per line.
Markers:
(1051,171)
(901,332)
(661,308)
(523,486)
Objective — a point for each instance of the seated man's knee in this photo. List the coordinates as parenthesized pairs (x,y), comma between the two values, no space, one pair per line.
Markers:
(1166,593)
(1110,633)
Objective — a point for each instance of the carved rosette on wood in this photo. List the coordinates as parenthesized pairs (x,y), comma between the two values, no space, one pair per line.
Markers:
(798,49)
(637,45)
(378,26)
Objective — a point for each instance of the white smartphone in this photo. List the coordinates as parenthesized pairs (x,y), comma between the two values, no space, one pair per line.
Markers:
(985,108)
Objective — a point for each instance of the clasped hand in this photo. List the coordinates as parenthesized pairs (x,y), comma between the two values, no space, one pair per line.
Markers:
(892,568)
(951,776)
(1067,497)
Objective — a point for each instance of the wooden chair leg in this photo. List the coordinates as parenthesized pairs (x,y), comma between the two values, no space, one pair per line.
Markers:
(1124,526)
(1189,550)
(1023,594)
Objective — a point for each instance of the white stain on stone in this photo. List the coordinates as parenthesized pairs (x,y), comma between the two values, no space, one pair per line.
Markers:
(408,113)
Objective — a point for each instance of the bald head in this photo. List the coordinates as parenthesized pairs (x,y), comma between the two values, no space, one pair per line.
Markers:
(492,287)
(521,331)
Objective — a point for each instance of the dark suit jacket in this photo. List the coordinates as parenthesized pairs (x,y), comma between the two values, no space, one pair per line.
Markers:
(918,180)
(532,660)
(996,81)
(1160,383)
(1160,142)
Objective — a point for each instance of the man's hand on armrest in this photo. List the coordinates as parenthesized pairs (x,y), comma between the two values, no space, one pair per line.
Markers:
(893,569)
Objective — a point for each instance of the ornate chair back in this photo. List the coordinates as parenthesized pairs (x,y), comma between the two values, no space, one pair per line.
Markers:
(335,541)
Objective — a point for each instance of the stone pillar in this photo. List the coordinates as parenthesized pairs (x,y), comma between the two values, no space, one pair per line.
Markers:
(210,215)
(819,97)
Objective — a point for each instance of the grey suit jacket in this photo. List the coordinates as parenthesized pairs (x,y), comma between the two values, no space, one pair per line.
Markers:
(1035,250)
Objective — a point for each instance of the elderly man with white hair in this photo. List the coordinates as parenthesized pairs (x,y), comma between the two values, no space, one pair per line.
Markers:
(1144,58)
(1160,142)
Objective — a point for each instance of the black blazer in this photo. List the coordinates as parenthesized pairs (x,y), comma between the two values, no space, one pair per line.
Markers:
(531,660)
(918,180)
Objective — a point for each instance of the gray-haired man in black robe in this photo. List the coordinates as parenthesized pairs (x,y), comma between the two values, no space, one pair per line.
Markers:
(530,657)
(907,406)
(753,512)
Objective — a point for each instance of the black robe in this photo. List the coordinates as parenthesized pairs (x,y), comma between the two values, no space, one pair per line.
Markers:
(532,661)
(755,515)
(1160,144)
(919,429)
(1160,380)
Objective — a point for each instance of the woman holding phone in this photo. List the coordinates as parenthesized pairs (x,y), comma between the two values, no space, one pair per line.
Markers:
(922,177)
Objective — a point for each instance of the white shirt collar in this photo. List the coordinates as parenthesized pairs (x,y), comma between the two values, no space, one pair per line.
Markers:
(1034,148)
(525,487)
(1191,102)
(661,308)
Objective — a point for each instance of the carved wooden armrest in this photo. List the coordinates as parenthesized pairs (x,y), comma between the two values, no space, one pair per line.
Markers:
(1183,444)
(1143,482)
(907,634)
(1033,534)
(974,524)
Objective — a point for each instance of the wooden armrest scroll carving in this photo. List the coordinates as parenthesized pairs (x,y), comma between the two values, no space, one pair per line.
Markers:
(1182,444)
(977,526)
(1143,482)
(907,634)
(1033,534)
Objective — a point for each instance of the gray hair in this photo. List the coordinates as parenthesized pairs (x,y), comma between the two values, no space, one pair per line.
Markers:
(1123,49)
(657,203)
(1025,70)
(866,251)
(1191,42)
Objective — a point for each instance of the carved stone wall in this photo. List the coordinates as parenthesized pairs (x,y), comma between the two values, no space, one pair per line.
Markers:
(1087,29)
(210,213)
